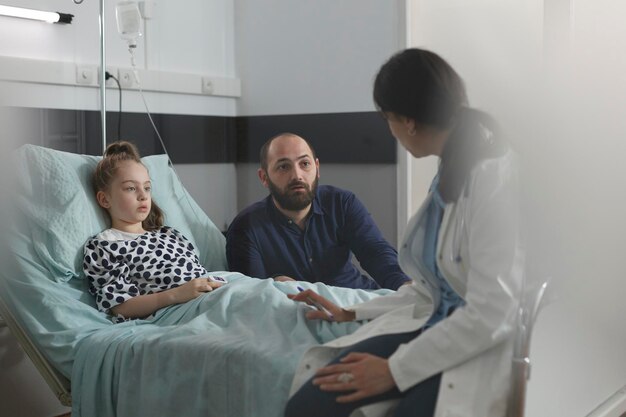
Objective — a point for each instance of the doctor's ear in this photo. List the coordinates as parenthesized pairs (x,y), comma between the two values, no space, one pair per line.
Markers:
(411,126)
(103,200)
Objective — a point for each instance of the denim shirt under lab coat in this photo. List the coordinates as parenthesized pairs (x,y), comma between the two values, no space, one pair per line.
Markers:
(448,299)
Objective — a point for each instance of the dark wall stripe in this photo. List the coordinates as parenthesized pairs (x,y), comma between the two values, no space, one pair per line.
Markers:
(188,139)
(361,138)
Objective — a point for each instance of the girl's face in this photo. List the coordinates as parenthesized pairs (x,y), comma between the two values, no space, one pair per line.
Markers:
(128,199)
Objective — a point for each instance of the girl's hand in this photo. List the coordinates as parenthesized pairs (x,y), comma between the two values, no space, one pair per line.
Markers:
(362,374)
(311,297)
(194,289)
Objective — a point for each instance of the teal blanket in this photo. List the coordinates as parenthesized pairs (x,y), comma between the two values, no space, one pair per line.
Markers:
(231,352)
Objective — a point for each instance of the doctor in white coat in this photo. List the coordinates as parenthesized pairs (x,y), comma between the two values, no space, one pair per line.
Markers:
(441,346)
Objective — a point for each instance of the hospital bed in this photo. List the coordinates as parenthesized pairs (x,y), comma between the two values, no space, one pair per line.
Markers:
(231,352)
(228,353)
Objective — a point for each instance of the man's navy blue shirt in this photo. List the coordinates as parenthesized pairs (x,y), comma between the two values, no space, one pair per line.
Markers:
(262,243)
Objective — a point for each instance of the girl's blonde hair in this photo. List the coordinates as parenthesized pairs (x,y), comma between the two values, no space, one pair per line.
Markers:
(115,153)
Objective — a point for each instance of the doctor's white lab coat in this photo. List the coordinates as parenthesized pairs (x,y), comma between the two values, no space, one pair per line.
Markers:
(480,256)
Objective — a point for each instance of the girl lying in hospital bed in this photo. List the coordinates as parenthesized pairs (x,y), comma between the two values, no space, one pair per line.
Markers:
(138,266)
(229,352)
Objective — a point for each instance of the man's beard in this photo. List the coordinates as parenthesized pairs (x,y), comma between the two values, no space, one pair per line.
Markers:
(293,200)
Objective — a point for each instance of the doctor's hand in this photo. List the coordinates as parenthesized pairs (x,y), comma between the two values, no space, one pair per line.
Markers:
(360,375)
(314,299)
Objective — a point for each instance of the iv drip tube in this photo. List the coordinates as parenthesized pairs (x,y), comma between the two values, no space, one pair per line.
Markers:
(103,99)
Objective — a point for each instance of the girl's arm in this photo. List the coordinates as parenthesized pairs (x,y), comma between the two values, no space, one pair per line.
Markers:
(118,295)
(144,305)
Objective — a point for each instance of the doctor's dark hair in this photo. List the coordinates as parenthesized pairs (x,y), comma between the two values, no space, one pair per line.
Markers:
(422,86)
(266,146)
(106,169)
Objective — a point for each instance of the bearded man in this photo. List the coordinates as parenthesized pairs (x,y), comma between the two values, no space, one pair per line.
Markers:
(306,232)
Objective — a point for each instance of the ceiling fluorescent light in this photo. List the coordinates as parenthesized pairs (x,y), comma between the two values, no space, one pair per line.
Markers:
(50,17)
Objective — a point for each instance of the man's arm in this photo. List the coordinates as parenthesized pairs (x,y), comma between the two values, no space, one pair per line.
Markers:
(242,253)
(373,252)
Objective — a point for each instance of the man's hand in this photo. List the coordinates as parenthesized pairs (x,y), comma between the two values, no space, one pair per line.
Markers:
(283,278)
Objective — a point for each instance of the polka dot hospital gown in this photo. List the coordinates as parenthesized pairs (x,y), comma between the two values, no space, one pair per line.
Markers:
(121,265)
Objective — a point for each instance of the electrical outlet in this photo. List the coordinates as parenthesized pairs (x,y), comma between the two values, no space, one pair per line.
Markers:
(126,78)
(207,85)
(110,82)
(85,74)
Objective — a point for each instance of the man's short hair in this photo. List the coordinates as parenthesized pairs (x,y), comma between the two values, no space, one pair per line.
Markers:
(266,146)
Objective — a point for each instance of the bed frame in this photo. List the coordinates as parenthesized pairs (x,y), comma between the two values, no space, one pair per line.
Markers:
(58,383)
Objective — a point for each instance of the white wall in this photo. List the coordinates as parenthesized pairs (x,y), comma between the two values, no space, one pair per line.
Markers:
(297,57)
(212,187)
(195,39)
(487,42)
(582,184)
(312,56)
(555,80)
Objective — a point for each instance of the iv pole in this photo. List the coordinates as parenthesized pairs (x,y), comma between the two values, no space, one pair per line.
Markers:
(103,99)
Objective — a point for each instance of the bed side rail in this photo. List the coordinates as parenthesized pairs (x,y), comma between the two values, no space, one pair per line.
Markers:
(59,384)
